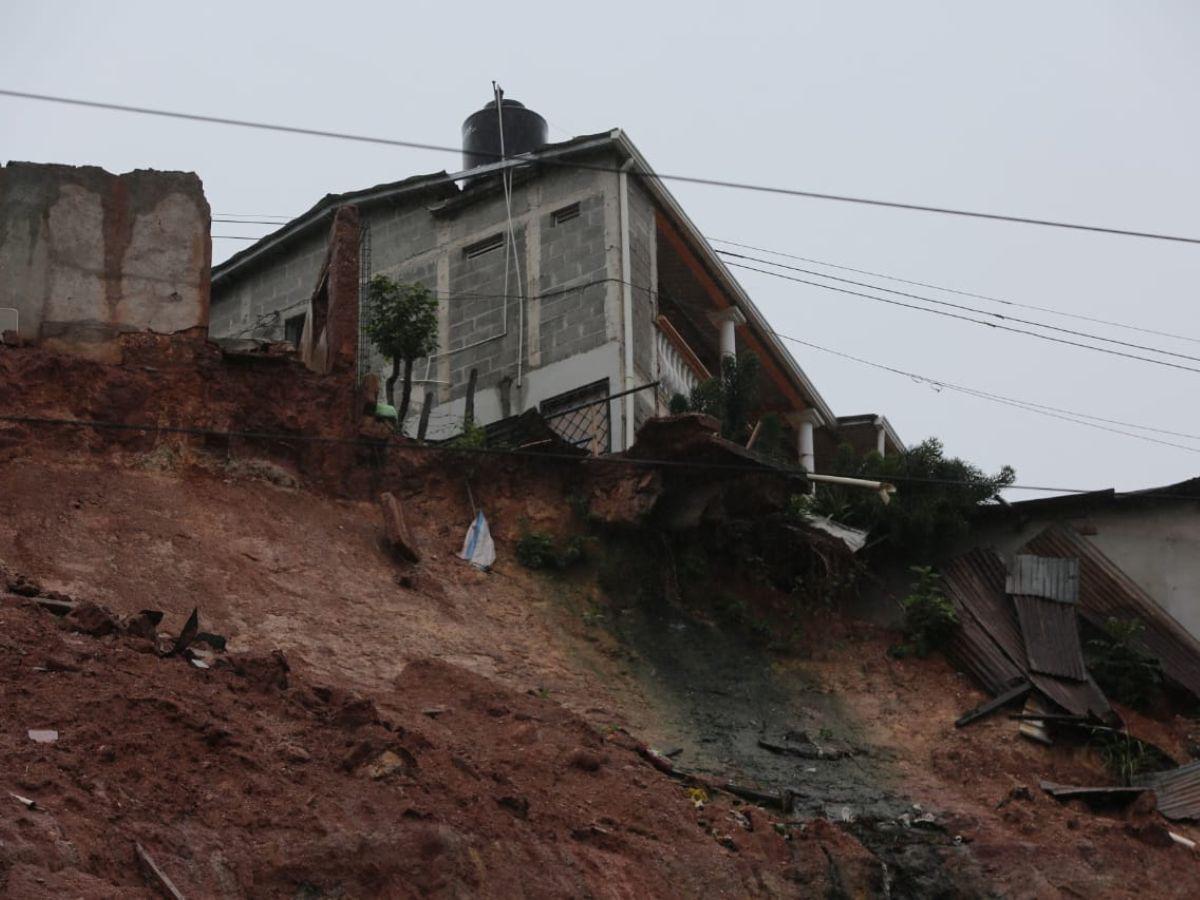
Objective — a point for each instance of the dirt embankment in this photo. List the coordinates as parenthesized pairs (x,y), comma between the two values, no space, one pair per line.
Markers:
(251,780)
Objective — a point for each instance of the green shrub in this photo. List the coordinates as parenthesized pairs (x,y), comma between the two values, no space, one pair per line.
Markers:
(937,496)
(473,437)
(538,550)
(929,617)
(1121,667)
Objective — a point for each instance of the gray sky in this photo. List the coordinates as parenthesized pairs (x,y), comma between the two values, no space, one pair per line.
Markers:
(1081,111)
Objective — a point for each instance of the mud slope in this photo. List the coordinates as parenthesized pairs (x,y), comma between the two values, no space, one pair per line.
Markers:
(250,780)
(272,566)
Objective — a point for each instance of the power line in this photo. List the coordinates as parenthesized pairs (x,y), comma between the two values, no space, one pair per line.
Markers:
(964,307)
(950,315)
(685,179)
(1026,405)
(229,220)
(386,444)
(1041,409)
(949,290)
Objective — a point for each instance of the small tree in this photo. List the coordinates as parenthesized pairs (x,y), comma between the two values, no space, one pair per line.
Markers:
(938,497)
(929,617)
(730,397)
(1121,667)
(402,324)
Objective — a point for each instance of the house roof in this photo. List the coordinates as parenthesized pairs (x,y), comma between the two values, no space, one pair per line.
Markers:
(445,187)
(874,419)
(1071,504)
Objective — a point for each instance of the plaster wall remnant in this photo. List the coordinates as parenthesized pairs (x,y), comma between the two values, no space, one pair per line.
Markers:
(86,255)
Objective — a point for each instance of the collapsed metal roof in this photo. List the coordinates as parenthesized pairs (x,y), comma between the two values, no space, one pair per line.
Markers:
(992,644)
(1106,592)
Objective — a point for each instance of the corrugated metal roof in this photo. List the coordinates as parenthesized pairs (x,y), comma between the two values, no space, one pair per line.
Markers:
(1044,576)
(1107,592)
(989,644)
(1051,632)
(1177,791)
(982,645)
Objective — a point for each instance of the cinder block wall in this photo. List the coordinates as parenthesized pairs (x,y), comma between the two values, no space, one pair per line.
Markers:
(569,273)
(257,302)
(86,255)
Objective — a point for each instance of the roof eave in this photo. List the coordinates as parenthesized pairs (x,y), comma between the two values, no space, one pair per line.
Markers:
(742,300)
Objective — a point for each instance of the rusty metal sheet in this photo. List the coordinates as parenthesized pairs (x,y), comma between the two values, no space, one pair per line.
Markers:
(989,644)
(1051,632)
(1051,577)
(983,645)
(1105,591)
(1177,791)
(1104,793)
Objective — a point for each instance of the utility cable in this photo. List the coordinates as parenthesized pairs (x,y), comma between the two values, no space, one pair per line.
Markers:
(684,179)
(1041,409)
(963,307)
(384,443)
(937,287)
(950,315)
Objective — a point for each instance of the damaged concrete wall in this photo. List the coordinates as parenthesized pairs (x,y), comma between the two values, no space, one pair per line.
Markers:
(86,255)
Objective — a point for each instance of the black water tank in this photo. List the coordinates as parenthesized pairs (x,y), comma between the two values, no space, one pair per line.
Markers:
(524,130)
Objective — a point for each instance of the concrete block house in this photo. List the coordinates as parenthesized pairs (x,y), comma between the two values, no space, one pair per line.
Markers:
(568,279)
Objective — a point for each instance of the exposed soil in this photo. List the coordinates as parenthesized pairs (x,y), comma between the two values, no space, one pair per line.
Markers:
(240,788)
(247,780)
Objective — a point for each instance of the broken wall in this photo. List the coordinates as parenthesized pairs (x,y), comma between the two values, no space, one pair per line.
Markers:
(86,255)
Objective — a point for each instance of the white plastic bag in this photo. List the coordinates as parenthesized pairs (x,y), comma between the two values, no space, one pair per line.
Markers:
(478,548)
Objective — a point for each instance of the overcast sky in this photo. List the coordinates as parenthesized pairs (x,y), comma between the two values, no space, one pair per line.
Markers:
(1084,111)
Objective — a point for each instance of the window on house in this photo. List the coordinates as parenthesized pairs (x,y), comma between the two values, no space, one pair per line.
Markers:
(293,327)
(566,214)
(581,416)
(487,245)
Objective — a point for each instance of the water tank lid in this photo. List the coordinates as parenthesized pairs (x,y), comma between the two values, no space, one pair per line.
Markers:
(491,104)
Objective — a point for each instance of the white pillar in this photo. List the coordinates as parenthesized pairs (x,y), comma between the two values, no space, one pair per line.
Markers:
(728,320)
(880,439)
(805,423)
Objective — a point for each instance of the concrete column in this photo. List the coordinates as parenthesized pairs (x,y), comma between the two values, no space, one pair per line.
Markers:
(728,320)
(880,439)
(804,423)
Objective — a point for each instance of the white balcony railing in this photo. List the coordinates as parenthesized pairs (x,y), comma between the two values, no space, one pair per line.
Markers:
(678,369)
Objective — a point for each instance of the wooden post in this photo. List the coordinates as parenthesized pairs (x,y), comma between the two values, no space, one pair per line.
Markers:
(469,409)
(423,425)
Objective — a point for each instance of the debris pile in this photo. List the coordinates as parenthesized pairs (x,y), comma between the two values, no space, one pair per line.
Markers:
(1020,638)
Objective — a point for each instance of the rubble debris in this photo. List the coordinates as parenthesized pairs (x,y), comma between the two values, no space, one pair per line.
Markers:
(24,801)
(156,876)
(854,538)
(42,735)
(1032,723)
(23,586)
(1177,791)
(990,644)
(143,624)
(1000,701)
(399,537)
(1181,840)
(806,749)
(389,762)
(92,619)
(1101,794)
(187,635)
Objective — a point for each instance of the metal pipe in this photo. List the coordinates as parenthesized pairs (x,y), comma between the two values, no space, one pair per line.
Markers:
(884,488)
(626,301)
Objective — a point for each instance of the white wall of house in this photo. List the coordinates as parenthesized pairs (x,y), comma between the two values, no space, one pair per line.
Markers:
(1157,545)
(541,384)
